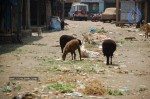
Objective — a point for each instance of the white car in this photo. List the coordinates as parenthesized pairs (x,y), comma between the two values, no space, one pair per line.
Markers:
(78,11)
(109,14)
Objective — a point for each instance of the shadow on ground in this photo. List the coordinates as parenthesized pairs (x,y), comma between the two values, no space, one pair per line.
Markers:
(8,47)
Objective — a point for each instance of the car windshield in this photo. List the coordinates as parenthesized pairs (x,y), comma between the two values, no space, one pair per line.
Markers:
(82,8)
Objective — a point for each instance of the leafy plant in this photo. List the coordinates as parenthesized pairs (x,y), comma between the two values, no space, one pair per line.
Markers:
(120,42)
(142,89)
(92,70)
(6,89)
(114,93)
(10,86)
(17,88)
(63,88)
(54,69)
(1,71)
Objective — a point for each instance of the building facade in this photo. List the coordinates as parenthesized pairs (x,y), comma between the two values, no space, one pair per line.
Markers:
(10,20)
(18,17)
(132,10)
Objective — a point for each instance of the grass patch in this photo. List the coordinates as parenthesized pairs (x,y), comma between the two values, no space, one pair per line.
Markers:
(58,66)
(63,88)
(85,63)
(1,71)
(100,30)
(84,66)
(53,62)
(114,92)
(120,42)
(19,51)
(90,46)
(142,89)
(54,69)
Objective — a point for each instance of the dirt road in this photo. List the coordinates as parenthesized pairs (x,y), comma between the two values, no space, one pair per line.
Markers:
(40,57)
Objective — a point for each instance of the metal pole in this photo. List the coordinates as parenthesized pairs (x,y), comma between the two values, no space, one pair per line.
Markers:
(19,34)
(62,1)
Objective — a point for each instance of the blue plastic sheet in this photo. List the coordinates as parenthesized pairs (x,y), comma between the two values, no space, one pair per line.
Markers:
(55,24)
(136,11)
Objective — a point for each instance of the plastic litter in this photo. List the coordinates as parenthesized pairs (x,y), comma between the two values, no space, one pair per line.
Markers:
(92,30)
(76,94)
(55,24)
(125,90)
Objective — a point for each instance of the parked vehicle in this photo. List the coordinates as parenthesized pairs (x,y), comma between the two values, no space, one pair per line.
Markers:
(109,14)
(78,11)
(96,17)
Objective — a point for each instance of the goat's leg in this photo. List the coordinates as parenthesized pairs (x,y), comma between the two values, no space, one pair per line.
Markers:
(111,60)
(79,52)
(62,47)
(72,55)
(107,60)
(146,34)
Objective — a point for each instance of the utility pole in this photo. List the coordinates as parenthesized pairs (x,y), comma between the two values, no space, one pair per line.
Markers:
(62,2)
(19,22)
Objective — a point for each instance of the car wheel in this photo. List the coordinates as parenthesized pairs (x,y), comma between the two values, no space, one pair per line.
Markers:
(69,17)
(85,19)
(73,18)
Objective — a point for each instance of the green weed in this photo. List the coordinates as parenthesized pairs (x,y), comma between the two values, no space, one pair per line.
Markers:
(63,88)
(142,89)
(114,93)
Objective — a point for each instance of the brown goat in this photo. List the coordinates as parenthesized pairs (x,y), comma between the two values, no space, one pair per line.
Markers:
(71,46)
(146,28)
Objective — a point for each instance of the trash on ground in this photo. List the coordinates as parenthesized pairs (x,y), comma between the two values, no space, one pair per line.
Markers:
(130,38)
(94,87)
(88,54)
(55,24)
(125,89)
(141,34)
(76,94)
(97,36)
(25,96)
(92,30)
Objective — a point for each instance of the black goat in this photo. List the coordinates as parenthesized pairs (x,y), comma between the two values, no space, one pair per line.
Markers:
(64,39)
(108,48)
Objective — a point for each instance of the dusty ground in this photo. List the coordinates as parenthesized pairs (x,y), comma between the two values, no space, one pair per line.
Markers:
(38,56)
